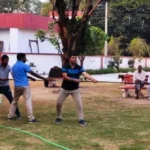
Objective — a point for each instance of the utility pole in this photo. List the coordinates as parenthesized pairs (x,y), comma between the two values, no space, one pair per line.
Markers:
(106,27)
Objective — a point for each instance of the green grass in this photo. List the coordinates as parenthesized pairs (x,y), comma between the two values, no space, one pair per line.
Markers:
(111,125)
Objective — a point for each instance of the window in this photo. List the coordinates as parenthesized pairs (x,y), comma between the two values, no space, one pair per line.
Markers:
(34,46)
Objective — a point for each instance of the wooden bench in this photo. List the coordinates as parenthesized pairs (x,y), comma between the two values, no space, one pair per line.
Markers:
(128,84)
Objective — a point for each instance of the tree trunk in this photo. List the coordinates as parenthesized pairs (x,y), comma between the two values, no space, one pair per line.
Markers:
(71,31)
(81,59)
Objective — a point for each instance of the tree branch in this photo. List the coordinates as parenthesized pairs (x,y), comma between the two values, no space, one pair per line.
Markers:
(94,7)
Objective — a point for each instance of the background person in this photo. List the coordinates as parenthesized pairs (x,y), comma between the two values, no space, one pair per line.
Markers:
(139,78)
(5,69)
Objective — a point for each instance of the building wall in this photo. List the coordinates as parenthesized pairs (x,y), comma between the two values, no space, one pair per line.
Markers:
(4,36)
(91,62)
(17,40)
(44,62)
(14,39)
(26,35)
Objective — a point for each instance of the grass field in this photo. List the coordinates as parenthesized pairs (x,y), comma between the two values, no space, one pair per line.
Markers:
(113,123)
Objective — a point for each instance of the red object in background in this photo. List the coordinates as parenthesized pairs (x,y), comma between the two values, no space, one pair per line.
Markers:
(24,21)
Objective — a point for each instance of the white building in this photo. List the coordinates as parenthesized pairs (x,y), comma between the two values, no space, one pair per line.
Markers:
(17,34)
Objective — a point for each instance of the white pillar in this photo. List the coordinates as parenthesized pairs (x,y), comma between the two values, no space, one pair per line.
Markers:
(14,40)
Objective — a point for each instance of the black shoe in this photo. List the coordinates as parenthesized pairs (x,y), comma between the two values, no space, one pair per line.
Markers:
(58,120)
(18,117)
(82,122)
(137,97)
(33,121)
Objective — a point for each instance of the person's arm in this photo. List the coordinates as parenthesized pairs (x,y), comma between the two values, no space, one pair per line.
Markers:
(3,79)
(31,78)
(135,76)
(86,75)
(39,76)
(28,70)
(65,77)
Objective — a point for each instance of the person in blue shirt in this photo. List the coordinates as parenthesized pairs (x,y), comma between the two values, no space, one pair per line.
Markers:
(22,88)
(70,86)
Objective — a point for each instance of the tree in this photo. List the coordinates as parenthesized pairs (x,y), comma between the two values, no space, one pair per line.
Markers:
(114,51)
(71,30)
(139,48)
(92,42)
(10,6)
(98,17)
(129,18)
(30,6)
(46,8)
(126,18)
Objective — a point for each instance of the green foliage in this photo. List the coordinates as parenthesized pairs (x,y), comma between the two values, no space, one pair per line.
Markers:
(126,18)
(113,70)
(113,46)
(139,48)
(10,6)
(131,63)
(126,70)
(93,41)
(114,51)
(41,34)
(130,18)
(46,8)
(146,69)
(50,35)
(91,44)
(102,71)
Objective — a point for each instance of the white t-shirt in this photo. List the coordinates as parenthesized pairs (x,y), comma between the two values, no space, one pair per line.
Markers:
(139,76)
(4,74)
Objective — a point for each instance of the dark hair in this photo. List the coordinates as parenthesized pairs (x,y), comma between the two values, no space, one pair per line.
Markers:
(72,54)
(20,56)
(4,57)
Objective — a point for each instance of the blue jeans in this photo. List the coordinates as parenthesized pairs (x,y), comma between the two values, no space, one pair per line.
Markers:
(138,86)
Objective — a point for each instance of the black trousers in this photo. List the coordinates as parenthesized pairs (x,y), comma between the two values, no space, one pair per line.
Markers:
(6,91)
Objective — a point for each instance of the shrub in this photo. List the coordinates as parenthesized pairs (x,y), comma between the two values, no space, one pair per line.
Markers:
(102,71)
(131,63)
(112,70)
